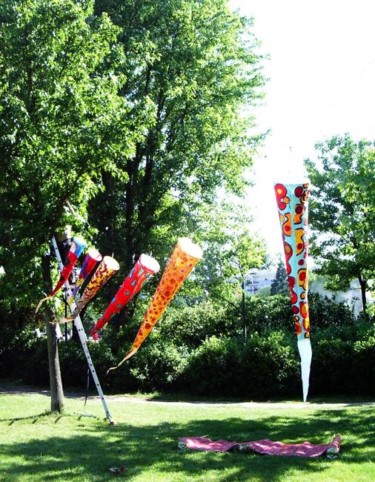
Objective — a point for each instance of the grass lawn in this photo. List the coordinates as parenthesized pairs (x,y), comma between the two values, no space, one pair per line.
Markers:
(81,446)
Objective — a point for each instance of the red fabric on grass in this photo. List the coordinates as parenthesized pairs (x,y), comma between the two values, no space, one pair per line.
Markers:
(265,447)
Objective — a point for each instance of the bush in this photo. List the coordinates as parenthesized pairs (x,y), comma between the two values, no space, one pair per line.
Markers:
(343,360)
(364,364)
(326,313)
(191,325)
(214,367)
(159,366)
(269,313)
(74,367)
(331,367)
(23,356)
(263,366)
(200,349)
(271,365)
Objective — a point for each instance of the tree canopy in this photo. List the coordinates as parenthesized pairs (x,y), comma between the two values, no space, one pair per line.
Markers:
(193,76)
(61,121)
(342,210)
(136,112)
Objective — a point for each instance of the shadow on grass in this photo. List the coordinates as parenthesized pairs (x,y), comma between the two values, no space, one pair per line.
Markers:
(94,448)
(34,418)
(39,416)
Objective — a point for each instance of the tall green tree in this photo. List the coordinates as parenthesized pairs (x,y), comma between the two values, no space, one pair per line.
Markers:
(61,123)
(342,208)
(193,76)
(279,285)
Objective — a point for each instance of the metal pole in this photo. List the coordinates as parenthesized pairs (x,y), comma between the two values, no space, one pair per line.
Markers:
(82,335)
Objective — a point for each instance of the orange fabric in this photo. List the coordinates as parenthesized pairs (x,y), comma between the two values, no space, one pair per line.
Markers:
(177,270)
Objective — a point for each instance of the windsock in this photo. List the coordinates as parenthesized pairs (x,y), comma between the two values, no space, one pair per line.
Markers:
(145,267)
(293,215)
(93,257)
(185,256)
(77,247)
(104,272)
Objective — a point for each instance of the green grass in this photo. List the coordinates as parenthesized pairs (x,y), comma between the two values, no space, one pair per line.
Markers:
(81,446)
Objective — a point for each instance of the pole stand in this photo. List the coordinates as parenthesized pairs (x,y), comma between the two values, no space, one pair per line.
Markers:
(82,335)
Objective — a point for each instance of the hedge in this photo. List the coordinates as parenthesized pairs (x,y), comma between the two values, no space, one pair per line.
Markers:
(201,350)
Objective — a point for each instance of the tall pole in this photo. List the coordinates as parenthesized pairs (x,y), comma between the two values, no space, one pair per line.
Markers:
(82,335)
(243,309)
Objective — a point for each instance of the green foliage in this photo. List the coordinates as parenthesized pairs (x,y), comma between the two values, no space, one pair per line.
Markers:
(226,367)
(343,360)
(159,366)
(325,313)
(73,364)
(212,367)
(191,68)
(199,349)
(23,356)
(268,313)
(280,283)
(342,210)
(364,356)
(61,123)
(191,325)
(271,365)
(230,250)
(75,371)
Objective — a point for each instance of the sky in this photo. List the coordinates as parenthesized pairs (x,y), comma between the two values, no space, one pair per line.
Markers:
(321,71)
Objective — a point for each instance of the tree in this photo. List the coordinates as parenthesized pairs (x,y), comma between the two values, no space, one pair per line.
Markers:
(279,285)
(342,210)
(193,77)
(137,135)
(230,253)
(61,126)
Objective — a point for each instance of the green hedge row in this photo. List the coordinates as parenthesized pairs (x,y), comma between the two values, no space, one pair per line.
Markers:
(201,350)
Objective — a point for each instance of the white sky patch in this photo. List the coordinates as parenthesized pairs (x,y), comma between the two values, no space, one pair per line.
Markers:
(322,78)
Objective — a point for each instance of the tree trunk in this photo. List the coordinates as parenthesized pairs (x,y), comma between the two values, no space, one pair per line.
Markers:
(55,381)
(363,285)
(56,388)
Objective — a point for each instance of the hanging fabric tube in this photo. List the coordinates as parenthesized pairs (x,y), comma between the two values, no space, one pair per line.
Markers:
(93,257)
(145,267)
(77,247)
(293,215)
(185,256)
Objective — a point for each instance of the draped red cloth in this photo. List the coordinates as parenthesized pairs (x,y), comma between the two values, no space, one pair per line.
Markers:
(264,447)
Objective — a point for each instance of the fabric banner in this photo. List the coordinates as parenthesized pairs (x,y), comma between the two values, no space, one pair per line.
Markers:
(93,257)
(264,447)
(145,267)
(185,256)
(76,249)
(293,215)
(104,272)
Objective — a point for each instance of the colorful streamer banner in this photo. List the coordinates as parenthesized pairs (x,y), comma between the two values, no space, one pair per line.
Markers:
(293,214)
(104,272)
(145,267)
(76,249)
(93,257)
(185,256)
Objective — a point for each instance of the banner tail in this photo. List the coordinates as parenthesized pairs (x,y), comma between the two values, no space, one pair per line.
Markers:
(305,352)
(127,357)
(41,302)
